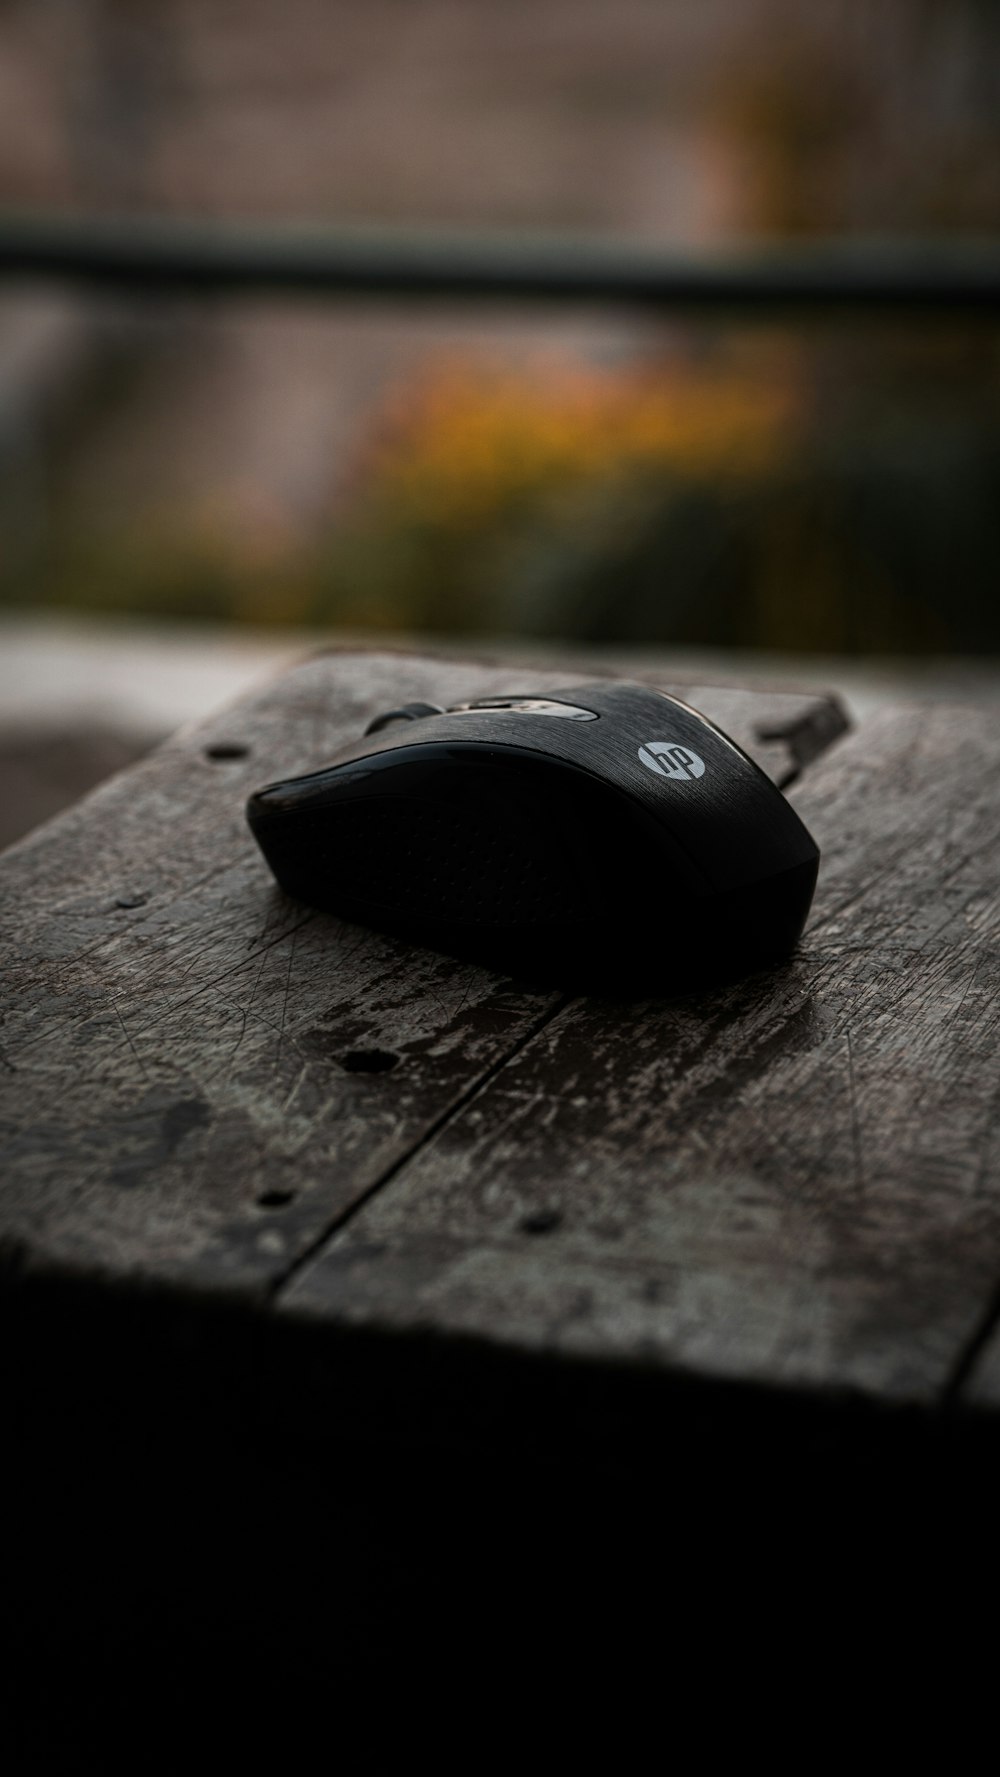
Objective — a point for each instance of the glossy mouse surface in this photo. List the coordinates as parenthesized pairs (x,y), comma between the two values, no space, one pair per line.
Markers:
(604,834)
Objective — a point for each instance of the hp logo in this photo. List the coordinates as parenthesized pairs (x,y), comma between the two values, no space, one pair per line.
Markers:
(668,759)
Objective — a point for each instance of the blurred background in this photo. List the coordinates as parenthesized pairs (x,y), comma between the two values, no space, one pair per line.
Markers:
(193,490)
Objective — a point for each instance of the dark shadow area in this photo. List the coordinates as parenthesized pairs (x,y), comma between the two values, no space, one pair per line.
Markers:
(43,773)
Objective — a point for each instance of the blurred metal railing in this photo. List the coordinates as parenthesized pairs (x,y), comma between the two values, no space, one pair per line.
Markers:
(156,257)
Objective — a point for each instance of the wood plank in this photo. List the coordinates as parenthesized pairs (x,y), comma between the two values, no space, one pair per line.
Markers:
(793,1181)
(179,1087)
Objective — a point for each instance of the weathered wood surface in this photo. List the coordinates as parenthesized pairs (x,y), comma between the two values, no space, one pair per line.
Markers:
(790,1181)
(187,1057)
(233,1264)
(794,1180)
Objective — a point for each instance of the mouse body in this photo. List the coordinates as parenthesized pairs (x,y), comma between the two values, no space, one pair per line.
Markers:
(607,833)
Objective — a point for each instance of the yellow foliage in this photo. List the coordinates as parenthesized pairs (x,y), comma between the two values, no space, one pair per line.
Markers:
(464,443)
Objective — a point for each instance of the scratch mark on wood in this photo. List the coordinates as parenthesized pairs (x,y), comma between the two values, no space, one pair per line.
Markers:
(288,983)
(216,980)
(43,1035)
(294,1090)
(128,1038)
(859,1177)
(985,1146)
(243,1027)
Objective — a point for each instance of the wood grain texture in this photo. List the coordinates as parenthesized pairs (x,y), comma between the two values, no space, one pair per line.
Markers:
(573,1294)
(179,1071)
(795,1181)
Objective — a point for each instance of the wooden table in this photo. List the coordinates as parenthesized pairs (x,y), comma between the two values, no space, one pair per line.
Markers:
(286,1202)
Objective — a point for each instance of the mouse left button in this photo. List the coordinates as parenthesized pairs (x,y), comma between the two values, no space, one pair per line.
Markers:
(407,712)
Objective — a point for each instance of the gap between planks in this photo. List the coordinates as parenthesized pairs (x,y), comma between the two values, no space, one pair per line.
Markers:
(340,1221)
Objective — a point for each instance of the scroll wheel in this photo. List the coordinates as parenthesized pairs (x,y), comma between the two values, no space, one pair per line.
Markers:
(407,712)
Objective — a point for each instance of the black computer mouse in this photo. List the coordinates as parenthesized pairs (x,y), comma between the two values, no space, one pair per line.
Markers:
(606,834)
